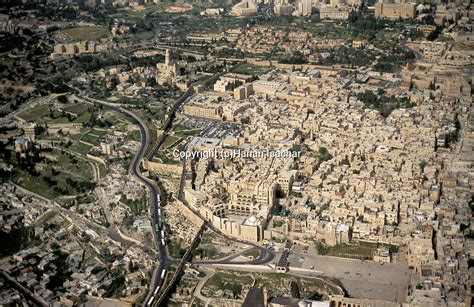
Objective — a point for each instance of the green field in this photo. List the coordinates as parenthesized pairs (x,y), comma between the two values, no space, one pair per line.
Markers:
(250,69)
(209,251)
(98,132)
(42,114)
(183,131)
(40,186)
(80,147)
(190,132)
(35,113)
(147,35)
(66,176)
(91,139)
(136,206)
(93,136)
(362,250)
(134,136)
(73,165)
(87,33)
(149,9)
(170,140)
(166,155)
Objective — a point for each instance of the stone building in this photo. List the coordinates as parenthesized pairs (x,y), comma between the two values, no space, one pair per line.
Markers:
(395,10)
(166,72)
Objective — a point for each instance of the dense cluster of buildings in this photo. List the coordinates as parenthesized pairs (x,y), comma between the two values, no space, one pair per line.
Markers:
(321,153)
(265,39)
(395,185)
(133,82)
(238,203)
(70,260)
(340,9)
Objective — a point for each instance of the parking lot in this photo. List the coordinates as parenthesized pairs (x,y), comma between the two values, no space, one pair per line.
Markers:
(212,128)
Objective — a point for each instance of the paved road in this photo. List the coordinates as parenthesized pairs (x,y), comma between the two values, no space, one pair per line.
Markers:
(418,54)
(134,169)
(265,257)
(154,200)
(202,282)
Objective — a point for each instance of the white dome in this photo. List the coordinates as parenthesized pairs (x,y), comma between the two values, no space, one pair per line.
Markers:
(302,304)
(251,221)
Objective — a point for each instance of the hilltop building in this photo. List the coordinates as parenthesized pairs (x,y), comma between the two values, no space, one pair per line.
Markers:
(245,8)
(167,71)
(395,10)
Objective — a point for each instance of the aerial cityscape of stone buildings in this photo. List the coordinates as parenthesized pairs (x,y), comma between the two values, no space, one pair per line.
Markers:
(390,185)
(254,153)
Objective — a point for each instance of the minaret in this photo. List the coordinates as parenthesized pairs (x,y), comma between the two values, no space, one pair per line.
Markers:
(265,296)
(167,57)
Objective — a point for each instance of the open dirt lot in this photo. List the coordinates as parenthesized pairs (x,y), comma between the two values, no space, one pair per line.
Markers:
(362,279)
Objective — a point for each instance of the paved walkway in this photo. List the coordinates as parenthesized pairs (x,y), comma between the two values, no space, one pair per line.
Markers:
(202,282)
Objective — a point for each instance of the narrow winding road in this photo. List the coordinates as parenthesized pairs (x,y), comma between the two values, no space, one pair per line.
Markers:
(134,169)
(154,200)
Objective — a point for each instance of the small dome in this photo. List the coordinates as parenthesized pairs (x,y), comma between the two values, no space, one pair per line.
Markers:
(302,304)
